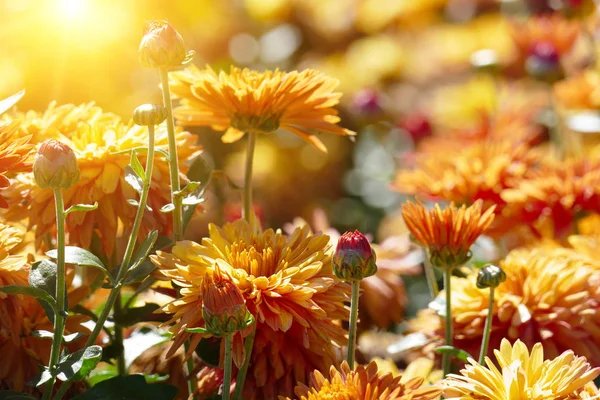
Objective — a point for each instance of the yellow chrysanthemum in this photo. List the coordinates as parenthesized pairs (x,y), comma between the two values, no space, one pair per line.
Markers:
(522,376)
(14,153)
(363,383)
(102,153)
(244,101)
(550,296)
(289,287)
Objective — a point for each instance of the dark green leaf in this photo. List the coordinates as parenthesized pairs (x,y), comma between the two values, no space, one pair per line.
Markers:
(200,171)
(7,395)
(111,352)
(42,334)
(209,350)
(96,376)
(163,242)
(144,249)
(79,256)
(196,330)
(156,378)
(42,275)
(132,316)
(76,366)
(8,102)
(167,208)
(453,352)
(137,166)
(72,337)
(82,207)
(44,377)
(134,180)
(79,309)
(141,272)
(30,291)
(135,203)
(131,387)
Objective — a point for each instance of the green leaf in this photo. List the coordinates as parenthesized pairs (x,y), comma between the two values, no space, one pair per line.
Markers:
(42,275)
(132,316)
(196,330)
(76,366)
(163,242)
(156,378)
(141,150)
(8,102)
(137,166)
(8,395)
(453,352)
(200,171)
(82,207)
(135,203)
(96,376)
(131,387)
(167,208)
(30,291)
(144,249)
(79,309)
(79,256)
(140,272)
(44,377)
(209,350)
(42,334)
(134,180)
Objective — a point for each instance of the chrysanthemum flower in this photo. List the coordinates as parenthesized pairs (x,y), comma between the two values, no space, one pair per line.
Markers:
(447,234)
(580,92)
(550,296)
(555,31)
(97,145)
(522,375)
(244,101)
(550,198)
(289,287)
(14,154)
(363,383)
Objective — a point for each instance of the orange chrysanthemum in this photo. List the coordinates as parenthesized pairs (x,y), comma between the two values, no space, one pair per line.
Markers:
(555,30)
(550,198)
(447,234)
(550,296)
(363,383)
(579,92)
(102,149)
(289,287)
(14,154)
(522,375)
(244,101)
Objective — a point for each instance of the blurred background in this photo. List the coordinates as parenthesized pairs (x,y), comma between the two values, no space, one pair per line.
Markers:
(398,62)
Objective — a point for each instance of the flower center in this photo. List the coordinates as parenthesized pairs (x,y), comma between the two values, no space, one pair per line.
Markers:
(265,123)
(337,391)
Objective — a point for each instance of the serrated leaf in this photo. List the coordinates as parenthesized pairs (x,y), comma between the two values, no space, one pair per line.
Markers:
(130,387)
(8,102)
(132,316)
(76,366)
(135,164)
(134,180)
(82,208)
(453,352)
(9,395)
(167,208)
(30,291)
(143,250)
(79,256)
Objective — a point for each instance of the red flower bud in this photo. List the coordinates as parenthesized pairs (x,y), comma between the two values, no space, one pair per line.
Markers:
(224,308)
(354,258)
(55,165)
(161,46)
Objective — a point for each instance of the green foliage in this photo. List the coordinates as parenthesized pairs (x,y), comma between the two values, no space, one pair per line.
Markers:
(82,208)
(131,387)
(8,395)
(79,256)
(132,316)
(453,352)
(76,366)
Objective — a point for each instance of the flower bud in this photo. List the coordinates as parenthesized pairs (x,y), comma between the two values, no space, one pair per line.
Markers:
(490,276)
(354,258)
(161,46)
(149,114)
(55,165)
(224,308)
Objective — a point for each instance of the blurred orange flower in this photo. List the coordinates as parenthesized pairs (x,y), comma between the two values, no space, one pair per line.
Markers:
(554,30)
(245,101)
(289,287)
(580,92)
(363,383)
(447,234)
(14,154)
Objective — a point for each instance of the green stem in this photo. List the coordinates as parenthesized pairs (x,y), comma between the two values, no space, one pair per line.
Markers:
(353,323)
(191,381)
(430,276)
(446,360)
(488,328)
(227,366)
(119,336)
(248,212)
(59,318)
(241,375)
(173,160)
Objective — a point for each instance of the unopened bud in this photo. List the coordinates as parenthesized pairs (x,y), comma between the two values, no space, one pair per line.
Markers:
(162,46)
(490,276)
(354,258)
(55,165)
(149,114)
(224,308)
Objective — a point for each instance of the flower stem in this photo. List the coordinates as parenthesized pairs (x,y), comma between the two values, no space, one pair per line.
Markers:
(446,360)
(248,212)
(173,160)
(119,336)
(191,381)
(227,366)
(59,318)
(241,375)
(488,328)
(430,276)
(353,323)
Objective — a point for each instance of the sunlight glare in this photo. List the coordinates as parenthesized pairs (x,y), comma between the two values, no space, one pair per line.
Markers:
(72,9)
